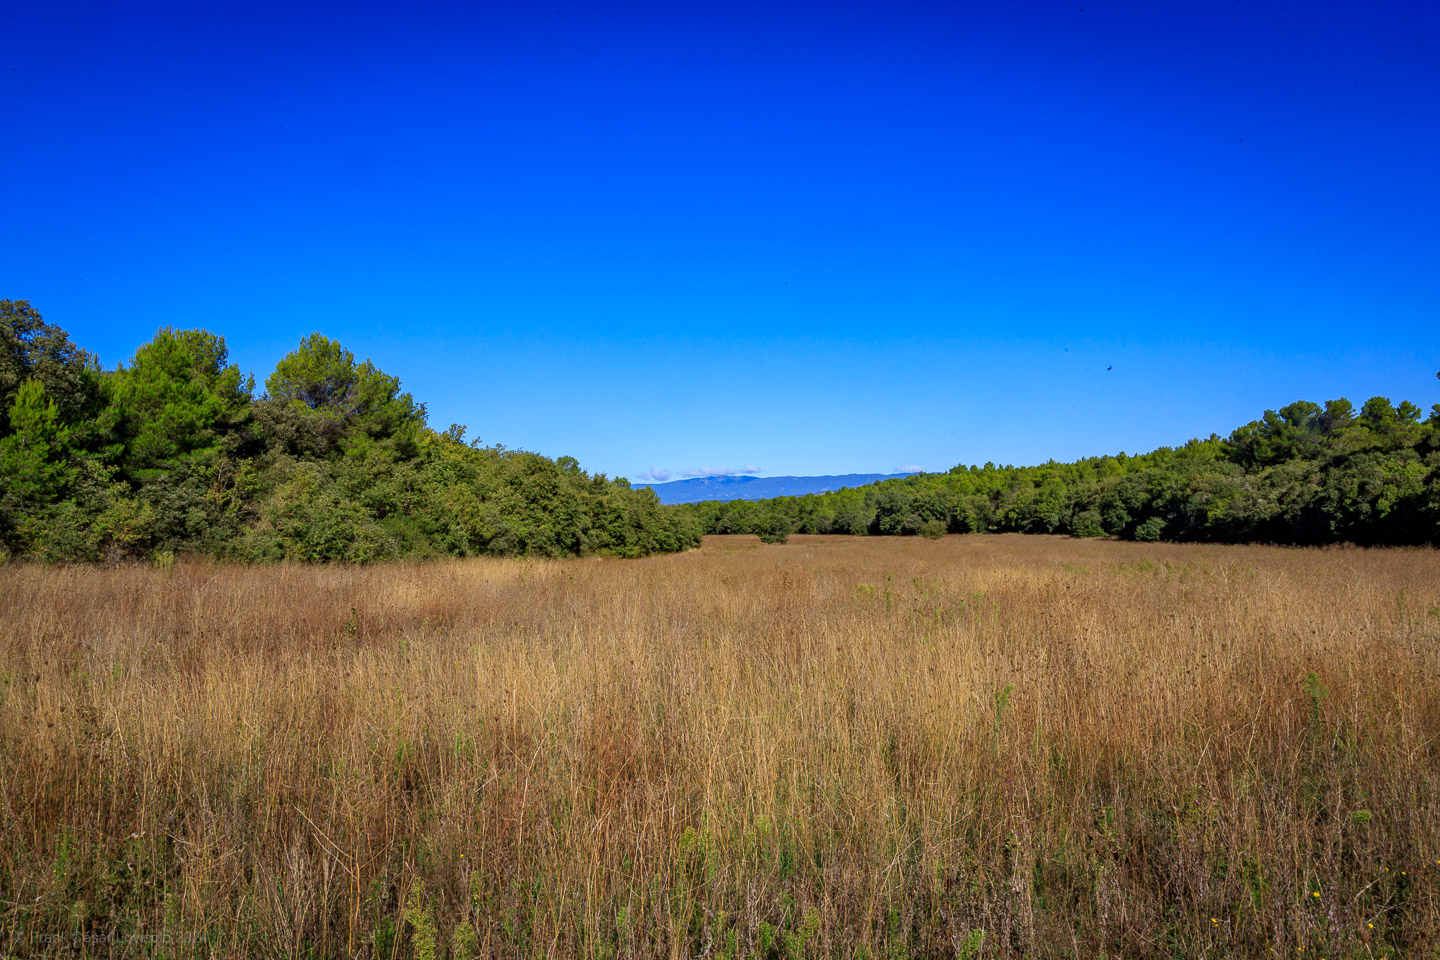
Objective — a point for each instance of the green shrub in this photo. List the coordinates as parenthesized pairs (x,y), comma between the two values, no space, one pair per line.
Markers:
(1150,530)
(1087,523)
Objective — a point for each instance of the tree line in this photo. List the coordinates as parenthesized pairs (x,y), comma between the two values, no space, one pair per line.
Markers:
(176,452)
(1304,474)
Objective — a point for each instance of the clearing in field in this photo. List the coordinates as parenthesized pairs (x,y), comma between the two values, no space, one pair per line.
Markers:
(842,747)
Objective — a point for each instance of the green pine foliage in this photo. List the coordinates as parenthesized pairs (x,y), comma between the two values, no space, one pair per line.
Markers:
(1304,474)
(35,471)
(174,453)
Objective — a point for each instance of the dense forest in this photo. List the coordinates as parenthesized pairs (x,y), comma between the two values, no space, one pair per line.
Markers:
(1304,474)
(175,452)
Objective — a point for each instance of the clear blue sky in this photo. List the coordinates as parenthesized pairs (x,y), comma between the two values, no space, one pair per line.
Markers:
(820,238)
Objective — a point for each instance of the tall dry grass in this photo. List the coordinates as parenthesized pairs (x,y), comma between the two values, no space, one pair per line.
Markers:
(982,746)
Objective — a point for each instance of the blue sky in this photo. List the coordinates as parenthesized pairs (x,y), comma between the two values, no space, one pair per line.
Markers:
(797,238)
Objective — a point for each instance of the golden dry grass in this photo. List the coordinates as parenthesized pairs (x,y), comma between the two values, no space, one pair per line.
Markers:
(842,747)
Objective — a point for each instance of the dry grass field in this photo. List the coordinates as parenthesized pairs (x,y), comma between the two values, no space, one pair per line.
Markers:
(840,747)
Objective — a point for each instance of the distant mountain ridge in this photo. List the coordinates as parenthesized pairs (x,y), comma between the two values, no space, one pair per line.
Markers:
(701,489)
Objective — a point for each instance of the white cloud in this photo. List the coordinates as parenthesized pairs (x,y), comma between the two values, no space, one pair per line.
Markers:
(912,468)
(719,471)
(654,475)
